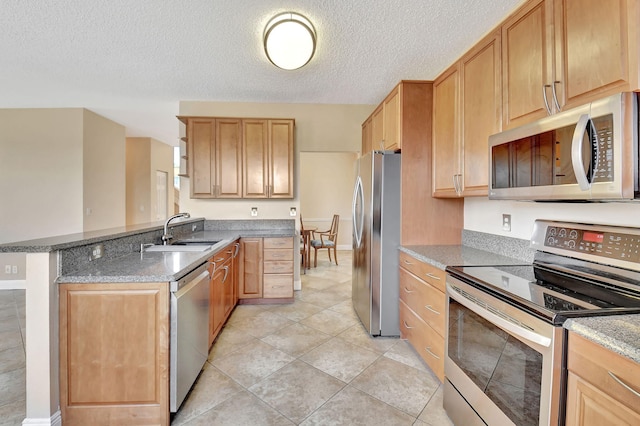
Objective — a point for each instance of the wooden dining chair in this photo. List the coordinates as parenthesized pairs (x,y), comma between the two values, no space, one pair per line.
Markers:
(303,248)
(328,239)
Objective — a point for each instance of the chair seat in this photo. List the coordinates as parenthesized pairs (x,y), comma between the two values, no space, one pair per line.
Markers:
(318,243)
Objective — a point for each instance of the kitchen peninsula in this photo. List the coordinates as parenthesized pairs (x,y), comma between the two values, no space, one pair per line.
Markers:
(65,259)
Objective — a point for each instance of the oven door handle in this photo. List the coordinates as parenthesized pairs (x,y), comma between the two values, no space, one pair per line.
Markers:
(506,325)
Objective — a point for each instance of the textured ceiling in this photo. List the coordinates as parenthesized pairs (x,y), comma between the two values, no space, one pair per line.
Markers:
(134,60)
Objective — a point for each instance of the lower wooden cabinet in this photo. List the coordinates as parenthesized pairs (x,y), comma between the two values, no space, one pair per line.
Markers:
(422,310)
(603,388)
(222,291)
(266,269)
(114,354)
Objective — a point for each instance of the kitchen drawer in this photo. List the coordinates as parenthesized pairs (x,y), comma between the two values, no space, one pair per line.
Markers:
(278,267)
(594,363)
(423,338)
(424,299)
(277,286)
(277,243)
(278,254)
(429,273)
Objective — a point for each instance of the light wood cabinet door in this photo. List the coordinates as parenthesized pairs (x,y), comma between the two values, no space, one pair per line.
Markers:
(596,49)
(527,60)
(446,121)
(228,159)
(392,113)
(367,143)
(481,112)
(250,285)
(377,129)
(602,388)
(280,158)
(201,133)
(255,148)
(114,353)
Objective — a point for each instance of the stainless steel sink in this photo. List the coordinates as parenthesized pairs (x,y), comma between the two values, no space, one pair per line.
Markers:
(180,248)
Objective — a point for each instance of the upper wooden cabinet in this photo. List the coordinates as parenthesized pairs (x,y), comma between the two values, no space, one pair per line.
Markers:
(386,122)
(558,54)
(367,135)
(215,160)
(268,147)
(467,110)
(240,158)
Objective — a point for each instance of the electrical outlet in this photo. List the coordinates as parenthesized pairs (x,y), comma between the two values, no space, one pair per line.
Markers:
(7,269)
(506,222)
(14,269)
(254,211)
(292,211)
(96,252)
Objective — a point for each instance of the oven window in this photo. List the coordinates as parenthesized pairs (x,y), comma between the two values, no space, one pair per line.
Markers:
(508,371)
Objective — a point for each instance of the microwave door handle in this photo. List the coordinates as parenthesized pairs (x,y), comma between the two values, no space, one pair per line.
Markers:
(576,153)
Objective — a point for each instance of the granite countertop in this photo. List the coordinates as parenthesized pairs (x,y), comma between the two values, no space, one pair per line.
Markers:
(164,266)
(618,333)
(458,255)
(143,267)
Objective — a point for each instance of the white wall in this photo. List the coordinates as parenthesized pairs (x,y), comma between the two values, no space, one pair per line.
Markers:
(319,128)
(40,173)
(326,188)
(104,173)
(484,215)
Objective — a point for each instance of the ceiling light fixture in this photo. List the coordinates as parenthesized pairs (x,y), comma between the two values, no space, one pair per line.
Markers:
(289,40)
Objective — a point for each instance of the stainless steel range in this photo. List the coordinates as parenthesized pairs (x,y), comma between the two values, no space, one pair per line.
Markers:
(505,345)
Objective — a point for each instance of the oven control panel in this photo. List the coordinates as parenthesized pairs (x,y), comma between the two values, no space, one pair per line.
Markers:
(612,245)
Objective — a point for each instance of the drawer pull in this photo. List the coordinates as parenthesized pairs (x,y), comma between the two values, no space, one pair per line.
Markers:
(220,259)
(435,277)
(431,309)
(407,262)
(428,349)
(407,325)
(408,291)
(626,386)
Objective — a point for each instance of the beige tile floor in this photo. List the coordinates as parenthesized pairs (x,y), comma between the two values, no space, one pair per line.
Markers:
(311,363)
(307,363)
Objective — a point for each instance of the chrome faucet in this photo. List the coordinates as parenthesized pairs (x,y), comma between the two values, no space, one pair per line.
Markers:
(166,236)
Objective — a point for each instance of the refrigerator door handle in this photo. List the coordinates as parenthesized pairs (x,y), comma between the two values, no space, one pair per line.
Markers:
(358,196)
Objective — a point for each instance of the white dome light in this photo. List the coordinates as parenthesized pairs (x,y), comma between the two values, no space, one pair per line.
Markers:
(289,40)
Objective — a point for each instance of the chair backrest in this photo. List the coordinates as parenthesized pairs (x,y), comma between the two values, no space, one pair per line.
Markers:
(334,228)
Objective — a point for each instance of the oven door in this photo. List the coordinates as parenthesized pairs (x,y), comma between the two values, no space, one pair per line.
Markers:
(502,366)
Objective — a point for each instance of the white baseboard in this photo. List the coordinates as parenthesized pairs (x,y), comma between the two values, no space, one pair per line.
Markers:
(13,284)
(55,420)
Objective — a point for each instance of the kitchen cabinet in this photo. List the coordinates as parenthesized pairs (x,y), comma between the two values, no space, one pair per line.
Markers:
(114,353)
(278,268)
(602,387)
(266,270)
(221,290)
(215,160)
(268,158)
(422,310)
(250,268)
(466,111)
(387,128)
(558,54)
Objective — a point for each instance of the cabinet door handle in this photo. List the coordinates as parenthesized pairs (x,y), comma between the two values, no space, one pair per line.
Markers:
(407,290)
(626,386)
(428,349)
(431,309)
(544,97)
(435,277)
(237,250)
(555,96)
(407,262)
(407,325)
(226,272)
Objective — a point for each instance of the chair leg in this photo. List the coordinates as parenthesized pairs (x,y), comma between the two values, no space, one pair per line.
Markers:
(315,257)
(335,254)
(329,252)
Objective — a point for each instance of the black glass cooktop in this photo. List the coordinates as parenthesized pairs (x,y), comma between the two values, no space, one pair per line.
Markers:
(550,294)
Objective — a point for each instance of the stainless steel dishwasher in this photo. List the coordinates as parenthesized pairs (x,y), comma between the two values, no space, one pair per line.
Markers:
(189,341)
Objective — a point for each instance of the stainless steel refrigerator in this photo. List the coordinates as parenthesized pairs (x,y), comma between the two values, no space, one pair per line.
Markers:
(376,237)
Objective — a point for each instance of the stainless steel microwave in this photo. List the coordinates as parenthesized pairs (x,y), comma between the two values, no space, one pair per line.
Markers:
(586,153)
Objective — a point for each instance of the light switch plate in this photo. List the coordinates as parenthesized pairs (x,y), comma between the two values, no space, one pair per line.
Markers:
(254,211)
(292,211)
